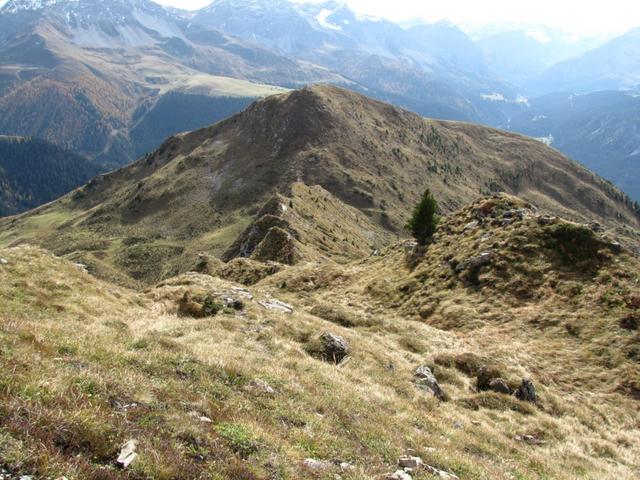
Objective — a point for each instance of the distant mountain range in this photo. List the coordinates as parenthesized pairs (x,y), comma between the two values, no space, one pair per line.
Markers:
(85,74)
(111,79)
(613,66)
(520,53)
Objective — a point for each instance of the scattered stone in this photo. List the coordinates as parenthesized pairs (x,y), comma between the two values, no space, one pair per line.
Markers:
(516,214)
(458,425)
(526,391)
(398,475)
(205,419)
(128,453)
(440,473)
(486,237)
(475,262)
(547,220)
(471,226)
(346,466)
(3,261)
(82,267)
(498,385)
(615,247)
(410,462)
(261,386)
(595,227)
(234,303)
(409,247)
(486,375)
(529,439)
(276,305)
(243,292)
(426,380)
(319,465)
(630,322)
(476,423)
(334,348)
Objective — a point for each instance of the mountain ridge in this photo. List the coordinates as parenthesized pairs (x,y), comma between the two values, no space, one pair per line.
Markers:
(201,190)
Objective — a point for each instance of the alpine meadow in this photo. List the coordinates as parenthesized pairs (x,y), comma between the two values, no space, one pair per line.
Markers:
(291,240)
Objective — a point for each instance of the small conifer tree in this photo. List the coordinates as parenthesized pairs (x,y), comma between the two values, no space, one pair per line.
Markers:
(425,218)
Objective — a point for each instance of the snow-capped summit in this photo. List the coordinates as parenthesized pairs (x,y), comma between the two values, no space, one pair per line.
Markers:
(15,6)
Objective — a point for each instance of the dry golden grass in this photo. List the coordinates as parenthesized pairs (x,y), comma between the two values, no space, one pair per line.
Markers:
(87,366)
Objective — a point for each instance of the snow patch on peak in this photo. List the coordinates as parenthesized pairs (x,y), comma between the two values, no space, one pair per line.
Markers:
(15,6)
(539,36)
(322,19)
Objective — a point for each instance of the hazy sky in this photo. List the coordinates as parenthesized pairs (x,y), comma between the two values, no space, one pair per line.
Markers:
(577,16)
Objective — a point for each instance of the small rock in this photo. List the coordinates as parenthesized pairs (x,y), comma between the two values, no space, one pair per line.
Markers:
(471,226)
(313,464)
(398,475)
(205,419)
(234,303)
(410,462)
(516,214)
(475,262)
(82,267)
(486,237)
(630,322)
(547,220)
(458,425)
(426,380)
(529,439)
(334,348)
(526,391)
(261,386)
(595,227)
(346,466)
(243,292)
(440,473)
(3,261)
(128,453)
(409,247)
(476,423)
(276,305)
(498,385)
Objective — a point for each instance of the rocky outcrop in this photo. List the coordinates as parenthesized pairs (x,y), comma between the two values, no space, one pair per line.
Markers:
(269,238)
(498,385)
(424,379)
(330,348)
(526,392)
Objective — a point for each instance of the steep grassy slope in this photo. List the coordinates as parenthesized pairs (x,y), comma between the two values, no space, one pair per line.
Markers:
(201,189)
(88,366)
(33,172)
